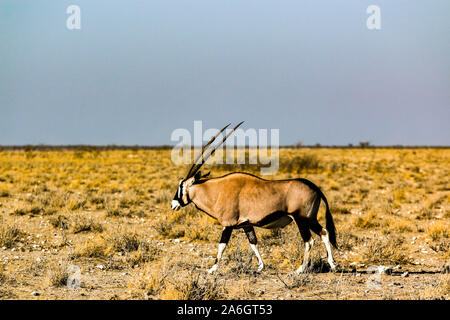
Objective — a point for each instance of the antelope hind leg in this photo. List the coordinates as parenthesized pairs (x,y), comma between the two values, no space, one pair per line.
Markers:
(251,235)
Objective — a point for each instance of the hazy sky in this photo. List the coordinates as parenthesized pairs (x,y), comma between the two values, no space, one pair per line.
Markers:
(137,70)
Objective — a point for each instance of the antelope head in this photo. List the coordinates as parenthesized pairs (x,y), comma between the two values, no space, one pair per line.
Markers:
(181,198)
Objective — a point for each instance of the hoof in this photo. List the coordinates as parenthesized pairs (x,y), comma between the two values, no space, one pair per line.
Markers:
(332,267)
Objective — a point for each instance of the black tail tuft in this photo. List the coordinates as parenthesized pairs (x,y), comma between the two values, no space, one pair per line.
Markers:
(331,229)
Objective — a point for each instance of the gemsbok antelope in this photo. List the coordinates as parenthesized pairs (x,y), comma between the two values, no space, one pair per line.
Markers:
(242,200)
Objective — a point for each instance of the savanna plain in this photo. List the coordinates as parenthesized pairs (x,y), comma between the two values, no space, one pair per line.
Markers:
(92,223)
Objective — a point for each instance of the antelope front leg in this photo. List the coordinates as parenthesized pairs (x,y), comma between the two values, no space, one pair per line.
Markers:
(226,234)
(251,235)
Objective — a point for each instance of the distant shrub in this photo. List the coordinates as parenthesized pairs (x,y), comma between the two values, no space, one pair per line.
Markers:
(364,144)
(300,164)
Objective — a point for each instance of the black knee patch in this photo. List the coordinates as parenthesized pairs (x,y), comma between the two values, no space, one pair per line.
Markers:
(226,234)
(251,235)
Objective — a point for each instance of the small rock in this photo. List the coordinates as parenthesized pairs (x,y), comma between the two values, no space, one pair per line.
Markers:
(39,260)
(34,293)
(177,241)
(384,270)
(405,274)
(100,266)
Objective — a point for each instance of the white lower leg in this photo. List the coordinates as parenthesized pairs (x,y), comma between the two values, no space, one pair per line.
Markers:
(222,247)
(326,241)
(308,246)
(260,261)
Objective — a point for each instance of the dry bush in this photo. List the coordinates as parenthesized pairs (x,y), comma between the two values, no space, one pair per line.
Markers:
(441,291)
(58,273)
(194,286)
(425,213)
(366,221)
(300,164)
(201,228)
(4,192)
(387,251)
(438,231)
(104,246)
(85,224)
(3,277)
(123,242)
(168,229)
(114,209)
(146,252)
(59,222)
(163,196)
(33,210)
(295,281)
(347,240)
(92,248)
(150,280)
(9,235)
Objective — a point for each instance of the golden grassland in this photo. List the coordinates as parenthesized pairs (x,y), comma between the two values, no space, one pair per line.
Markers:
(108,213)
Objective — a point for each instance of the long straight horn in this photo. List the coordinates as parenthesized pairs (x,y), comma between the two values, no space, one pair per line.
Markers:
(199,165)
(191,172)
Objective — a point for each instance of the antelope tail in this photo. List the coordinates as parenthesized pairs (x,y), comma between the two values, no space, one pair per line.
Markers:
(331,229)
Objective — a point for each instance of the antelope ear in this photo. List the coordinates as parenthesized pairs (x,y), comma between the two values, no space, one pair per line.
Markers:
(198,175)
(206,174)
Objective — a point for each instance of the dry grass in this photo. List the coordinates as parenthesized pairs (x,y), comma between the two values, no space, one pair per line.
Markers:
(108,212)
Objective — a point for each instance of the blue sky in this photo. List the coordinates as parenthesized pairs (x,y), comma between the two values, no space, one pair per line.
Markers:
(137,70)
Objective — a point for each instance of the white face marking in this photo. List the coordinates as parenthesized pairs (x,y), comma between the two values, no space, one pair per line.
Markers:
(175,205)
(179,189)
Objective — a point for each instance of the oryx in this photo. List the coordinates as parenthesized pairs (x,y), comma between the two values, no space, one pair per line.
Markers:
(242,200)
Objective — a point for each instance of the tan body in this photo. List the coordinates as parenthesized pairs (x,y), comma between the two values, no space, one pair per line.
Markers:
(240,199)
